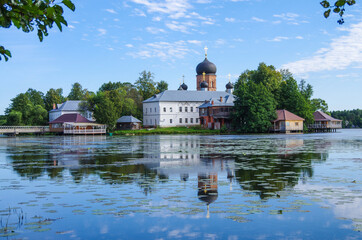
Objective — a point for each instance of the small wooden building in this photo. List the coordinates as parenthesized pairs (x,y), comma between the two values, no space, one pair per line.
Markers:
(287,122)
(215,113)
(128,123)
(324,123)
(75,124)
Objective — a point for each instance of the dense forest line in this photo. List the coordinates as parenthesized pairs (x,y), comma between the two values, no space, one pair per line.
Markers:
(111,101)
(351,118)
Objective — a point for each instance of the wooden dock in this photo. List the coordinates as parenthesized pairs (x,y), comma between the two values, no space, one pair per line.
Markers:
(15,130)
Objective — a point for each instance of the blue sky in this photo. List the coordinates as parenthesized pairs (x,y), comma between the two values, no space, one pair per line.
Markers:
(116,40)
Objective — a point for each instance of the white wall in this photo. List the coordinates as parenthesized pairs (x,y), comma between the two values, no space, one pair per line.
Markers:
(154,114)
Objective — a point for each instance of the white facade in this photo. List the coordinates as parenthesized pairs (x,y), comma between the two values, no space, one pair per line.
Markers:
(171,114)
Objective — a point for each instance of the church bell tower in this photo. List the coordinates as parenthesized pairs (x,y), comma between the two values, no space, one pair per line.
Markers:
(206,71)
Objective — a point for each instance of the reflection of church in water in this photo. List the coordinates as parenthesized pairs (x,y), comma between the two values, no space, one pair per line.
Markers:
(181,157)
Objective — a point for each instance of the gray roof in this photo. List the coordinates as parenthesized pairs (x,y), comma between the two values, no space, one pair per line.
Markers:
(70,105)
(128,119)
(188,96)
(227,101)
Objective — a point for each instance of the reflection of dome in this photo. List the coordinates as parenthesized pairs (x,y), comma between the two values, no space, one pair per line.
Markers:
(229,86)
(208,196)
(184,86)
(204,84)
(206,66)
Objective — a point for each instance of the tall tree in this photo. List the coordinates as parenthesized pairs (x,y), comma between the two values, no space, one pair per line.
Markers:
(35,97)
(30,15)
(145,84)
(254,107)
(162,86)
(110,86)
(53,96)
(77,92)
(319,104)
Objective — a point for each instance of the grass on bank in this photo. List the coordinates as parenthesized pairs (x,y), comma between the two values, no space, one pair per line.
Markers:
(169,130)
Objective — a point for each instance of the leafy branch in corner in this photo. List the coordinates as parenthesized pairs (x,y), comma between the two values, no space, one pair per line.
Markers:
(338,8)
(30,15)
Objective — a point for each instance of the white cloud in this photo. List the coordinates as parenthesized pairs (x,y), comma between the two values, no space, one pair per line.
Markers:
(154,30)
(238,40)
(139,12)
(129,45)
(196,42)
(290,18)
(71,26)
(163,50)
(111,11)
(203,1)
(341,53)
(101,31)
(174,8)
(156,19)
(229,19)
(299,37)
(278,39)
(179,26)
(257,19)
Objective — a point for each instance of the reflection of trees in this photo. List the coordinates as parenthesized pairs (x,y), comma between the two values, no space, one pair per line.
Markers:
(268,174)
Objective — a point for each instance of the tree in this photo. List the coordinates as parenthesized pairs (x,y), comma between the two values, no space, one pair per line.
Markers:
(338,8)
(53,96)
(319,104)
(254,107)
(110,86)
(77,92)
(146,85)
(162,86)
(14,118)
(35,97)
(30,15)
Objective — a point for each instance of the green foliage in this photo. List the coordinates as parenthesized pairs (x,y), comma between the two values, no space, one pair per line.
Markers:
(162,86)
(15,118)
(254,107)
(351,118)
(105,112)
(337,8)
(319,104)
(2,120)
(110,86)
(77,92)
(145,85)
(53,96)
(261,92)
(30,15)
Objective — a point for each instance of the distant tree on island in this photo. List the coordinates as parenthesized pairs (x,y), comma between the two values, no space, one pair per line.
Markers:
(351,118)
(259,93)
(32,15)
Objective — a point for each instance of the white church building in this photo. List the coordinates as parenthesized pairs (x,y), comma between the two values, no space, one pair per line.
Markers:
(173,108)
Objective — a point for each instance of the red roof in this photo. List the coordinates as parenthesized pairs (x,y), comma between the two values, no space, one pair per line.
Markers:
(321,116)
(285,115)
(71,117)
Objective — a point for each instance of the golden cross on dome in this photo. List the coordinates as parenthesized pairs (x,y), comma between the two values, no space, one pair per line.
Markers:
(206,51)
(229,76)
(183,78)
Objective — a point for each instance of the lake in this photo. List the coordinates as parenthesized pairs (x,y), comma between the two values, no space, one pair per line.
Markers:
(182,187)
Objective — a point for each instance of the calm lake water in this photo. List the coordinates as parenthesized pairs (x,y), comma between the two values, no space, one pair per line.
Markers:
(182,187)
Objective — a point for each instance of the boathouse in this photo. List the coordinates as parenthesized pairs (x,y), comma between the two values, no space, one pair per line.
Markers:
(128,123)
(287,122)
(324,123)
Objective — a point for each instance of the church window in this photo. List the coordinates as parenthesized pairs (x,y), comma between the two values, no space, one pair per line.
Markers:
(170,120)
(191,120)
(150,110)
(192,109)
(186,120)
(155,121)
(180,120)
(185,109)
(164,109)
(197,120)
(212,84)
(146,110)
(180,109)
(170,109)
(155,110)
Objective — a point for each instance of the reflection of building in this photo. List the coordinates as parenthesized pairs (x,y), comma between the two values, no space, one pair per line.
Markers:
(287,122)
(179,107)
(324,123)
(69,107)
(207,188)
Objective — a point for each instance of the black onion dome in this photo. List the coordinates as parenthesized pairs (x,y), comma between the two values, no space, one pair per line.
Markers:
(180,88)
(229,85)
(206,66)
(184,86)
(204,84)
